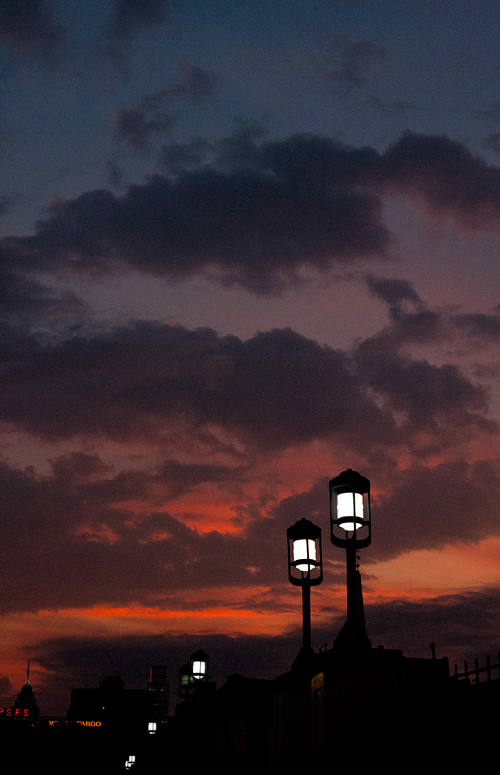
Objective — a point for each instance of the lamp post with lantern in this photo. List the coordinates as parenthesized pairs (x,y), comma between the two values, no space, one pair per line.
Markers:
(350,524)
(305,569)
(193,672)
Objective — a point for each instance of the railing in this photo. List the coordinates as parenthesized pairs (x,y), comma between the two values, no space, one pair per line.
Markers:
(474,673)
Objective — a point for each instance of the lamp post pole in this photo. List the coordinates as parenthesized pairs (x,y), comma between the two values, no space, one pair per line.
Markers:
(352,585)
(305,569)
(306,616)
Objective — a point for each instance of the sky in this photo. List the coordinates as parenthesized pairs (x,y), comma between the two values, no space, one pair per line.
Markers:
(244,246)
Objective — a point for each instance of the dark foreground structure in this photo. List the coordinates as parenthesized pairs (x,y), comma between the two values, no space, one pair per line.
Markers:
(372,711)
(351,712)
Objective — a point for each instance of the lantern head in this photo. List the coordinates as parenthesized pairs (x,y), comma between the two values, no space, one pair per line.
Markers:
(199,665)
(350,509)
(304,554)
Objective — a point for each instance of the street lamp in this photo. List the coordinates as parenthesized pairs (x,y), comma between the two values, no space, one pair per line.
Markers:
(193,672)
(350,526)
(305,569)
(186,682)
(199,665)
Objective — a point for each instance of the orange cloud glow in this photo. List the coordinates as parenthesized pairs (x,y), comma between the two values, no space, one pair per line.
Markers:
(428,573)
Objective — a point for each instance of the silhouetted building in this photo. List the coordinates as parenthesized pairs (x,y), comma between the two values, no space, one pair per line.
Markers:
(107,725)
(159,687)
(24,714)
(370,707)
(244,709)
(25,710)
(111,707)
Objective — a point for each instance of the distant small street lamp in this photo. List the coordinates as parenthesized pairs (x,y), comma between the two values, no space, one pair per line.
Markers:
(193,672)
(199,665)
(186,681)
(305,569)
(350,525)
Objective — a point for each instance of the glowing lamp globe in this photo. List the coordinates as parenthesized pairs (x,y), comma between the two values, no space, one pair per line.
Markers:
(199,665)
(350,509)
(304,553)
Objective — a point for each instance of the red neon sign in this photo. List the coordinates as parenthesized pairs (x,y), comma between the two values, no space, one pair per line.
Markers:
(17,712)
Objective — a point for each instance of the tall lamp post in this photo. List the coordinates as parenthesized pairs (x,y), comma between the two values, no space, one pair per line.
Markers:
(350,523)
(305,569)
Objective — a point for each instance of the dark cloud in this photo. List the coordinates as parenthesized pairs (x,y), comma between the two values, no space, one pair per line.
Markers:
(141,380)
(411,322)
(387,107)
(446,178)
(258,213)
(26,302)
(258,227)
(178,158)
(28,28)
(492,142)
(197,85)
(479,326)
(56,527)
(427,397)
(128,17)
(428,508)
(241,150)
(69,537)
(349,64)
(421,327)
(274,391)
(137,126)
(134,129)
(148,381)
(393,292)
(277,390)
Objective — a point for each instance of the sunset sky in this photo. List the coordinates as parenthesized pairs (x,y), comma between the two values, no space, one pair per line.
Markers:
(246,244)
